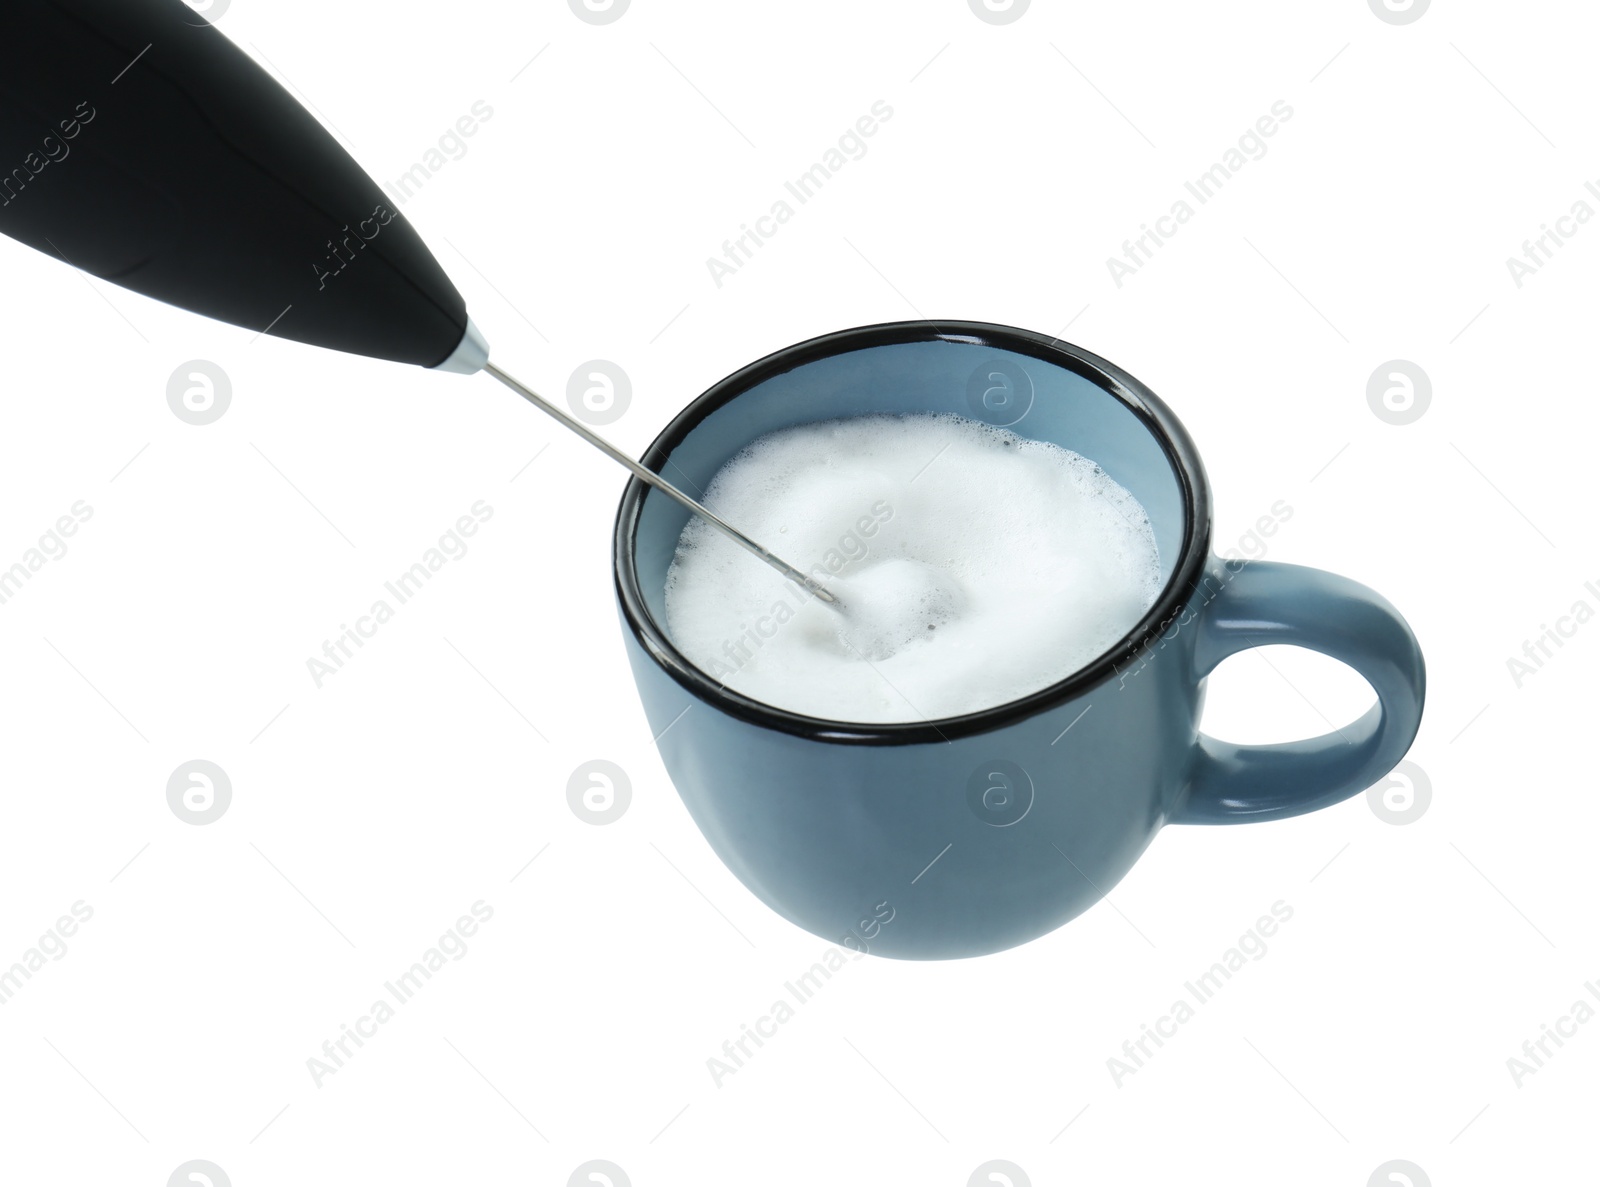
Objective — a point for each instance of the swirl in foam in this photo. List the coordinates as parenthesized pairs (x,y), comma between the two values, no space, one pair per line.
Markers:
(976,567)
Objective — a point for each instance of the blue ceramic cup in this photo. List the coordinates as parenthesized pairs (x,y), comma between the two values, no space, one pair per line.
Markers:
(971,834)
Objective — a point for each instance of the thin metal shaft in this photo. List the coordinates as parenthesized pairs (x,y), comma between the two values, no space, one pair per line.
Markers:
(661,484)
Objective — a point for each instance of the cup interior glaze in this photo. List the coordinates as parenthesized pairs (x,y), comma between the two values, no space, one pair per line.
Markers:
(1035,386)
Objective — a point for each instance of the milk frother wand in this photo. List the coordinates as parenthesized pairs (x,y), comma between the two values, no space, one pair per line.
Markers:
(139,144)
(811,584)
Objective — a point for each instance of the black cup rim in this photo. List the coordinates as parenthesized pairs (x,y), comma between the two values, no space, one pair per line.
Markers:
(1152,412)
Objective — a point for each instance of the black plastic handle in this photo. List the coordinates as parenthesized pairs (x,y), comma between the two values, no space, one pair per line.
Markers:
(139,144)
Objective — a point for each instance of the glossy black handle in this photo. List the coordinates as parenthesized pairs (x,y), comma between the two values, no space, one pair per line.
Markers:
(139,144)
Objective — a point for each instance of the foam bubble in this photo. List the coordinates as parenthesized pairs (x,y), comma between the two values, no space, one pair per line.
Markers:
(976,567)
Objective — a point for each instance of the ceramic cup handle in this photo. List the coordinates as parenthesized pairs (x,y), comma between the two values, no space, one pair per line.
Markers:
(1264,603)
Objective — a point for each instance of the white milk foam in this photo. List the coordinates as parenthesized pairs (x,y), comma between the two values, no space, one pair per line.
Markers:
(977,567)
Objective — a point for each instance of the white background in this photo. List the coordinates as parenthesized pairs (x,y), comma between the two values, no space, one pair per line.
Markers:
(370,813)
